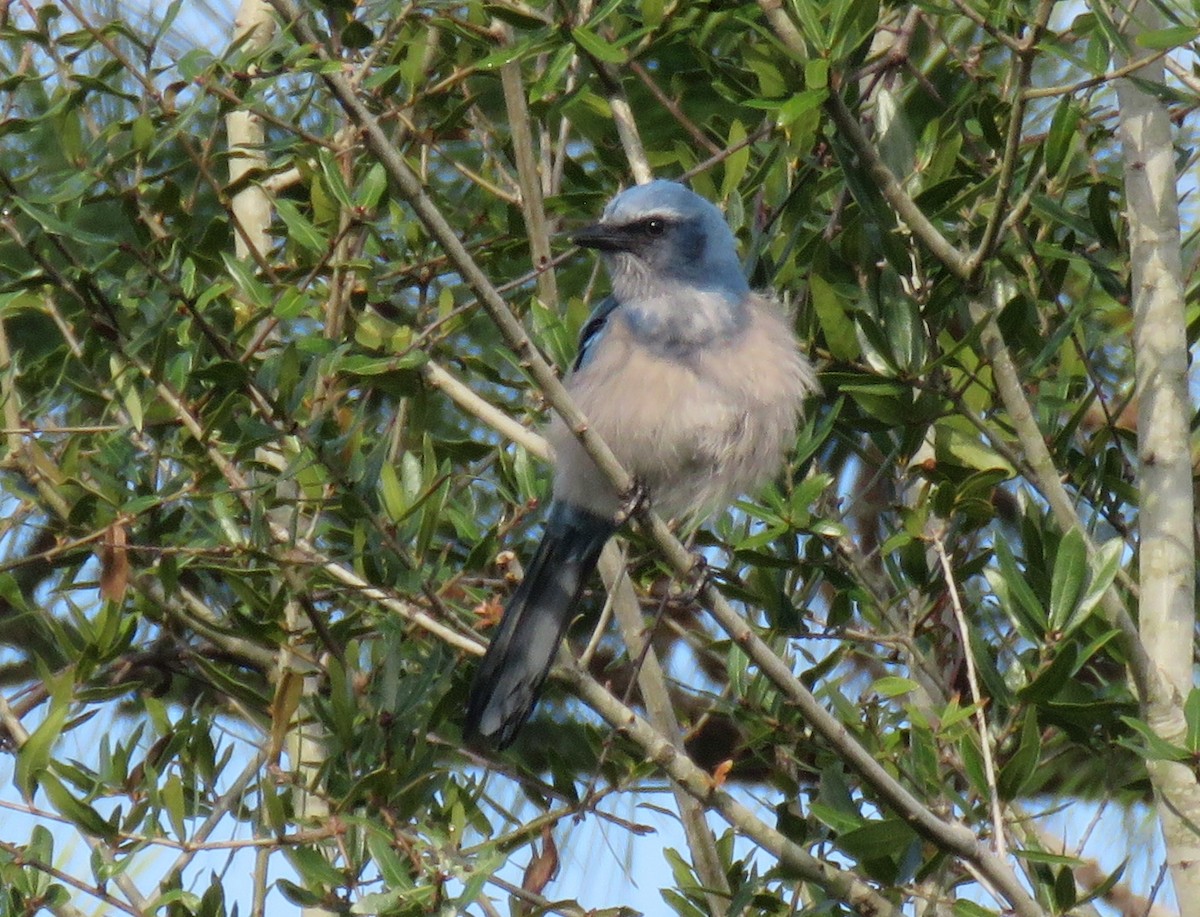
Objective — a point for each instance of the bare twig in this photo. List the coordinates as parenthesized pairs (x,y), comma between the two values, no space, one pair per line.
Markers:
(977,697)
(697,135)
(532,207)
(467,399)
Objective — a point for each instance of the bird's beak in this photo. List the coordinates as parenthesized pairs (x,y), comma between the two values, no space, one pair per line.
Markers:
(602,237)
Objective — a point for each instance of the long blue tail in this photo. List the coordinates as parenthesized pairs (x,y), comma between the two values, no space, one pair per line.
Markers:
(509,680)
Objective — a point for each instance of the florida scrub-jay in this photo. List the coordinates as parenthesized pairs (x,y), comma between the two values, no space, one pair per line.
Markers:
(695,383)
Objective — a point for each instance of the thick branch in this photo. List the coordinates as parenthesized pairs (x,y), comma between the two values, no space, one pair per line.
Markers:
(1167,614)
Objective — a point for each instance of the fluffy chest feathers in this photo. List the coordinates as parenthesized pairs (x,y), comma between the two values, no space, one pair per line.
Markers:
(698,422)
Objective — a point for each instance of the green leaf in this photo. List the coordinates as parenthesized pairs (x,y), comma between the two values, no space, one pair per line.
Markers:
(299,229)
(1100,212)
(396,871)
(877,839)
(74,810)
(124,378)
(737,162)
(141,133)
(290,304)
(1051,679)
(1063,128)
(1070,570)
(1191,712)
(363,365)
(1152,746)
(1100,892)
(1045,856)
(893,686)
(504,55)
(187,900)
(653,12)
(313,867)
(799,104)
(395,503)
(252,289)
(840,335)
(1165,39)
(1027,609)
(957,442)
(1023,763)
(595,46)
(964,908)
(1104,567)
(1064,889)
(297,894)
(334,183)
(973,766)
(34,755)
(56,227)
(371,188)
(357,34)
(173,802)
(379,902)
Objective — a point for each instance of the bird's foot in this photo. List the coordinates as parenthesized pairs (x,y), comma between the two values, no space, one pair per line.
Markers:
(633,501)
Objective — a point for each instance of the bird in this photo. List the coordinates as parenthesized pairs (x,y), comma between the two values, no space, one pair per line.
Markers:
(695,382)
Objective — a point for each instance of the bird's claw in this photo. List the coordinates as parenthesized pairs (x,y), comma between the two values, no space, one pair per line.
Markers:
(633,501)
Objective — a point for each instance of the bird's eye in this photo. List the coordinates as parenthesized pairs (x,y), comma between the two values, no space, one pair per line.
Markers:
(655,227)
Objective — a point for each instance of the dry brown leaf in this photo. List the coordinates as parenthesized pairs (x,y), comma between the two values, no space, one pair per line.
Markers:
(114,563)
(721,771)
(543,867)
(489,613)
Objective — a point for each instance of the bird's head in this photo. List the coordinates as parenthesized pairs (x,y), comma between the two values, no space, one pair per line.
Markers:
(660,236)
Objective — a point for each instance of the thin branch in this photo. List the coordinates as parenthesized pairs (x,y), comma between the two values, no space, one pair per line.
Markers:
(1070,89)
(784,28)
(1012,145)
(721,155)
(978,18)
(471,402)
(631,140)
(672,107)
(977,696)
(532,206)
(1183,74)
(893,192)
(19,857)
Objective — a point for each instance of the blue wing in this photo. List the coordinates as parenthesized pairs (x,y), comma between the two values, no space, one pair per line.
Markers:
(593,331)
